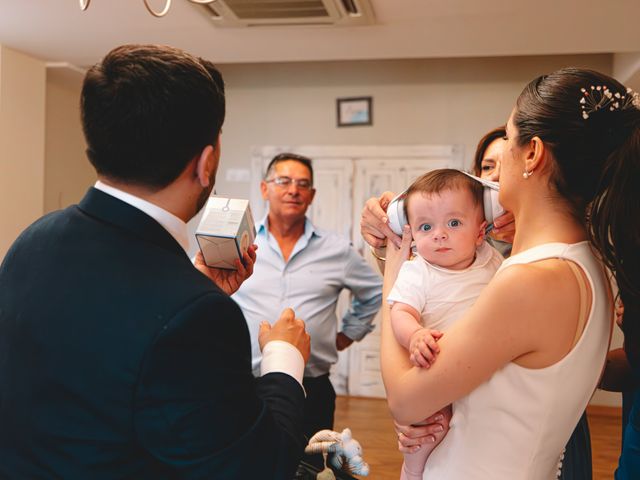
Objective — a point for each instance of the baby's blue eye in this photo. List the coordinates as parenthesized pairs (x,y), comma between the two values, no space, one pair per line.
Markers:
(454,223)
(425,227)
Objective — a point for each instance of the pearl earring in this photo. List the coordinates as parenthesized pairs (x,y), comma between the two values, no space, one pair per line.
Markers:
(526,174)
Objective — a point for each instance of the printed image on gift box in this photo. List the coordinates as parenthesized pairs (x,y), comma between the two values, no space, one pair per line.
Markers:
(225,231)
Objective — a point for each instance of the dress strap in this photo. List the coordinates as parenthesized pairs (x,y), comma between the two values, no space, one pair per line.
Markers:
(585,300)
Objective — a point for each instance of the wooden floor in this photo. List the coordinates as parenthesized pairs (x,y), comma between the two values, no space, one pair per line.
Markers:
(371,425)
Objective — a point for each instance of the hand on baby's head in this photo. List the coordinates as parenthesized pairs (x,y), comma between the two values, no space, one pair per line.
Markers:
(423,347)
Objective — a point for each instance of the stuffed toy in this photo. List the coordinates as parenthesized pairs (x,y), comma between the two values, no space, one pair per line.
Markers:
(346,453)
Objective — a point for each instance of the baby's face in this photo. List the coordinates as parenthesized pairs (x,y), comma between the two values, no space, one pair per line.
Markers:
(447,227)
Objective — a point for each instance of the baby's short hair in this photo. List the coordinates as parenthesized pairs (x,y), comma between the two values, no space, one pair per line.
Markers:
(443,179)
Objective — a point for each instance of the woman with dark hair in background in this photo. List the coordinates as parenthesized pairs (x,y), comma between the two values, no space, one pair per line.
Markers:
(527,356)
(486,164)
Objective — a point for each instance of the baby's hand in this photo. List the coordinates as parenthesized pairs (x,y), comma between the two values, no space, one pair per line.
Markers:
(423,347)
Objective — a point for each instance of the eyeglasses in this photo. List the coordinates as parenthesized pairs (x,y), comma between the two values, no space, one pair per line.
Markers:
(284,182)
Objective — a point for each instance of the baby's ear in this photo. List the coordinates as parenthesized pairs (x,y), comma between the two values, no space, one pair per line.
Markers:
(481,233)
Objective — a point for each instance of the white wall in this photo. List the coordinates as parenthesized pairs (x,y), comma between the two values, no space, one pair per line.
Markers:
(22,124)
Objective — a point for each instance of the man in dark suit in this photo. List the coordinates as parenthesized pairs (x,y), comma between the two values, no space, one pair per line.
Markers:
(118,357)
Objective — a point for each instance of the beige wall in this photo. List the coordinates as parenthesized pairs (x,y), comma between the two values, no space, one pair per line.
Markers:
(68,173)
(436,101)
(22,124)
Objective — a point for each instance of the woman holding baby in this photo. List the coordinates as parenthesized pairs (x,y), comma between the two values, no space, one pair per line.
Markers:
(520,365)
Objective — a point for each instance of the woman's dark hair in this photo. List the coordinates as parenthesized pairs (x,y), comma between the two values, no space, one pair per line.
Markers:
(483,144)
(591,124)
(147,110)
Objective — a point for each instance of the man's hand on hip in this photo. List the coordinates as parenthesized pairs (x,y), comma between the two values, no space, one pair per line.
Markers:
(288,329)
(342,341)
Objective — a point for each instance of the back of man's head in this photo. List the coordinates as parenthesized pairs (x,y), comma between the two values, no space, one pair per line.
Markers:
(148,110)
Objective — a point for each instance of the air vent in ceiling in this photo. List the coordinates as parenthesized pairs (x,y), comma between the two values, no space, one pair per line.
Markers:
(253,13)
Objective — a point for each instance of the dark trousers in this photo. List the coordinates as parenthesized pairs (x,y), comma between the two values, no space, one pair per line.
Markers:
(319,407)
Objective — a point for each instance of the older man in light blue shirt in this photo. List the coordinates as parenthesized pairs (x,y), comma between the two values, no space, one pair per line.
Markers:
(305,268)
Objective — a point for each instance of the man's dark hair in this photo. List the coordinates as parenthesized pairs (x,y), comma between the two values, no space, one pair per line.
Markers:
(148,110)
(286,157)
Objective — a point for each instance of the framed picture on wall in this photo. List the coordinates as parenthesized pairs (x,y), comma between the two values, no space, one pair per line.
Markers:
(354,111)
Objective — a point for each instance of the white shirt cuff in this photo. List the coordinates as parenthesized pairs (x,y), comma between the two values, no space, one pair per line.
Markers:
(283,357)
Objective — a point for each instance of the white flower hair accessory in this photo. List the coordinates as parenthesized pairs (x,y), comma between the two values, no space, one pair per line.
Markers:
(597,97)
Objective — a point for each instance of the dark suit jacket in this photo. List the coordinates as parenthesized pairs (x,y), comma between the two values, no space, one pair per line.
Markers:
(118,359)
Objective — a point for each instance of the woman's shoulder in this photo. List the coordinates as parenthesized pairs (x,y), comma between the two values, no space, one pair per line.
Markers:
(527,301)
(550,250)
(536,286)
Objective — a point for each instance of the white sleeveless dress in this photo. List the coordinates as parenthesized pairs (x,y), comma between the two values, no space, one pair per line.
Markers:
(515,425)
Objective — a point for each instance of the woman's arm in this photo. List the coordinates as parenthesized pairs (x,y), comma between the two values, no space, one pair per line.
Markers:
(511,320)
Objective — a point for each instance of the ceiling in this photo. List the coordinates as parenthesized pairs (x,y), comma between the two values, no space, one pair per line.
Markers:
(58,31)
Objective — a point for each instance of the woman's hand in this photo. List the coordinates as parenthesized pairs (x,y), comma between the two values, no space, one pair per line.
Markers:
(431,431)
(374,223)
(229,281)
(504,228)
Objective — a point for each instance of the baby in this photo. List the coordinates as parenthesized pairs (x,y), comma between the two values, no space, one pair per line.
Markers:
(452,266)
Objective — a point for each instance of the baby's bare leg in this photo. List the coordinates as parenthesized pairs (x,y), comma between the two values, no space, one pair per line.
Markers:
(414,462)
(418,441)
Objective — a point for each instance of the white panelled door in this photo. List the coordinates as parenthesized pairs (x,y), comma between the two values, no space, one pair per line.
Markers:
(344,178)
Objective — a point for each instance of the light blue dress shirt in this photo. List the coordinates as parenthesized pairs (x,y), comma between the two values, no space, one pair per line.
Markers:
(321,264)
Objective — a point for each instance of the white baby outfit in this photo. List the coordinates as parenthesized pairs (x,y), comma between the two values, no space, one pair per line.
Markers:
(442,295)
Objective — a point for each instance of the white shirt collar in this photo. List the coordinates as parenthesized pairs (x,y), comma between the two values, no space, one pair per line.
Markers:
(172,224)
